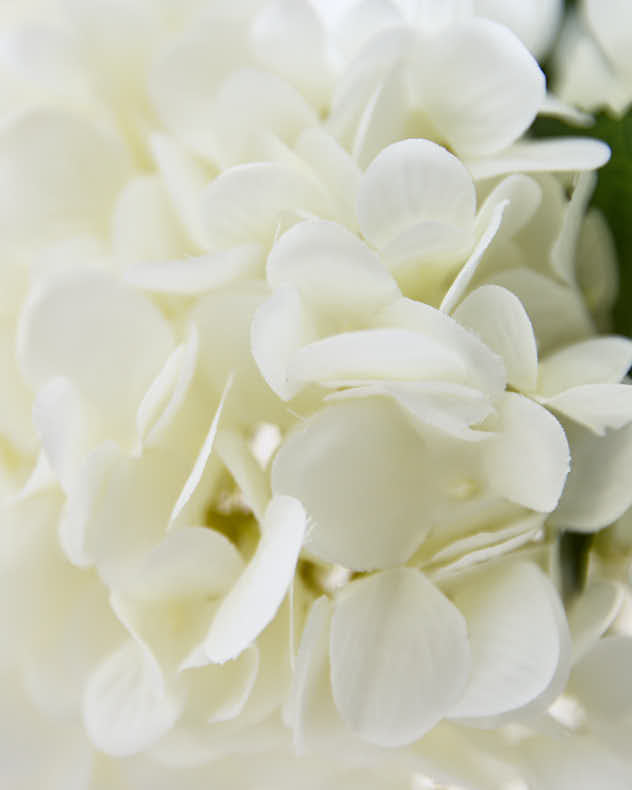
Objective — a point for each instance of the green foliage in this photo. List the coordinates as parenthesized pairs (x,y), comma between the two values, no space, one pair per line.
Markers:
(613,195)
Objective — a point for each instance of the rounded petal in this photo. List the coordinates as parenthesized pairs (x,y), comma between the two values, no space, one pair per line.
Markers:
(535,23)
(364,478)
(247,203)
(598,488)
(108,340)
(514,637)
(125,710)
(597,406)
(600,360)
(592,613)
(500,320)
(610,20)
(528,460)
(59,176)
(332,269)
(399,656)
(254,600)
(489,95)
(412,182)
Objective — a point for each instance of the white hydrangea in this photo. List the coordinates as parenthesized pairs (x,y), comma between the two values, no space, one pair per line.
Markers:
(302,377)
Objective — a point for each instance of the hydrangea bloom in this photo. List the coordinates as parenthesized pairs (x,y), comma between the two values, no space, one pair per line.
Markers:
(305,370)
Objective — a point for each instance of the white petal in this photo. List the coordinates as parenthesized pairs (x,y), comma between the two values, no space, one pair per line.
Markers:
(58,418)
(399,656)
(249,203)
(257,595)
(251,480)
(600,680)
(184,179)
(385,117)
(189,561)
(524,195)
(451,408)
(332,269)
(592,613)
(220,692)
(573,763)
(500,320)
(514,637)
(289,38)
(534,156)
(411,182)
(610,20)
(376,354)
(558,313)
(202,458)
(58,174)
(336,170)
(485,369)
(468,270)
(361,473)
(193,276)
(167,392)
(280,327)
(528,461)
(252,105)
(535,23)
(597,406)
(310,708)
(488,96)
(124,709)
(563,251)
(598,489)
(116,359)
(600,360)
(144,226)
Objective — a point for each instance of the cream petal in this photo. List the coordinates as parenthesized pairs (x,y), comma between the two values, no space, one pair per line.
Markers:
(219,692)
(59,174)
(597,491)
(410,182)
(193,276)
(469,268)
(535,156)
(610,20)
(188,562)
(124,709)
(115,360)
(144,226)
(599,360)
(167,392)
(289,38)
(599,680)
(535,24)
(528,460)
(592,613)
(280,327)
(376,354)
(557,312)
(500,320)
(564,249)
(252,105)
(199,465)
(251,480)
(336,170)
(363,477)
(249,203)
(524,196)
(489,95)
(597,406)
(332,269)
(254,600)
(184,179)
(573,763)
(514,637)
(450,408)
(485,369)
(399,656)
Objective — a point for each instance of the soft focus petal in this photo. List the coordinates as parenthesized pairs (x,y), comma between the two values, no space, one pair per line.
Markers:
(399,656)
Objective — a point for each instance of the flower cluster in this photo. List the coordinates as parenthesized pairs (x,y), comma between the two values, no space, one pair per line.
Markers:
(304,378)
